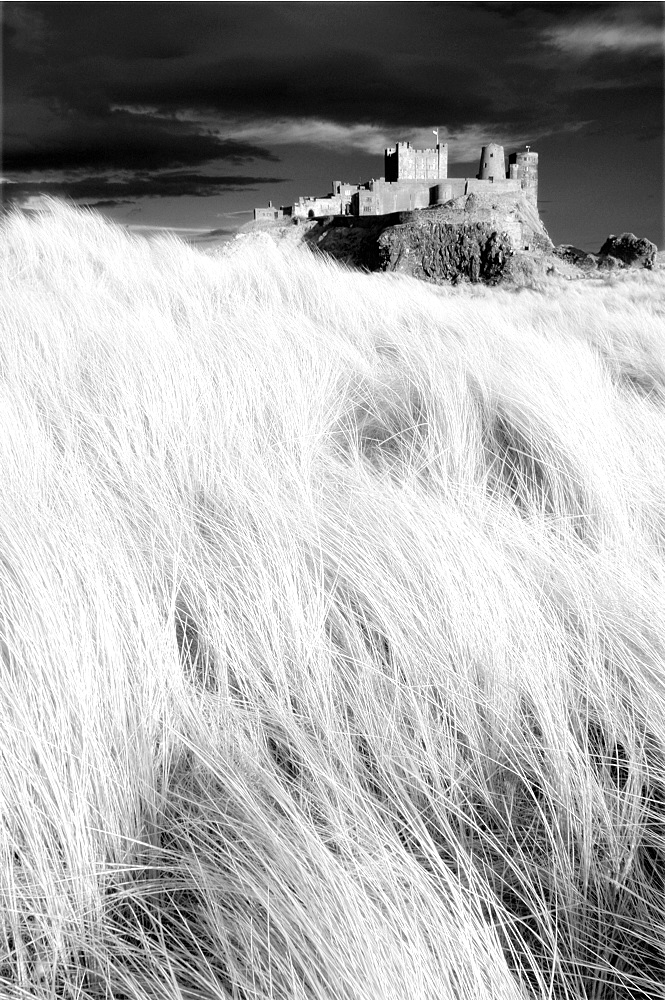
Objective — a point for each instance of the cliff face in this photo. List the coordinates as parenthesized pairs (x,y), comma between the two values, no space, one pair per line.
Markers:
(472,238)
(484,237)
(445,251)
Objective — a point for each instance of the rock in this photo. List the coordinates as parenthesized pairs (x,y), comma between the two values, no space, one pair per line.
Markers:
(353,245)
(630,250)
(471,238)
(445,251)
(489,237)
(605,262)
(575,256)
(536,268)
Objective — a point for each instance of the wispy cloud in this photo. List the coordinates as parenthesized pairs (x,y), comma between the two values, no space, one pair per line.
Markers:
(276,131)
(464,143)
(32,202)
(97,189)
(189,230)
(592,37)
(311,132)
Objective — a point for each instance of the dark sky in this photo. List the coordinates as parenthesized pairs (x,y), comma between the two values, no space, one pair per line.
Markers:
(187,115)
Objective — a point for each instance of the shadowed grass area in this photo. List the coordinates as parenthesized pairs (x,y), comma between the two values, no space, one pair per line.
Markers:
(332,627)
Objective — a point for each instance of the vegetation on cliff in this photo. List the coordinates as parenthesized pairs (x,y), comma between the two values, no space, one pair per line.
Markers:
(333,604)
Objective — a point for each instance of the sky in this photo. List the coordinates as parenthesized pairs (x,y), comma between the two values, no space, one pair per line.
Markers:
(185,116)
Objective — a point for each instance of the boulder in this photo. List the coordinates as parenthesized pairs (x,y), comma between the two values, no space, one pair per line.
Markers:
(573,255)
(630,250)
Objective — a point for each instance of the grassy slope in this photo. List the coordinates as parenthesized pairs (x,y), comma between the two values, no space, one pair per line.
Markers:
(332,627)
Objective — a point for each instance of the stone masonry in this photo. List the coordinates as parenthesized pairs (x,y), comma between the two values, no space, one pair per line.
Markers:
(418,178)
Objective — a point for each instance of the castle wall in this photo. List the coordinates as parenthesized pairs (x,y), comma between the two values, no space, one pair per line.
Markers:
(385,197)
(505,186)
(270,212)
(382,196)
(265,213)
(452,187)
(416,179)
(310,208)
(345,192)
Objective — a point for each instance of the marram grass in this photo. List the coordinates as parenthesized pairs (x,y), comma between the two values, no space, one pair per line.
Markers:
(332,628)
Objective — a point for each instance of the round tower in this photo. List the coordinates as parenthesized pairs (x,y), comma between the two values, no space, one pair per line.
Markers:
(492,163)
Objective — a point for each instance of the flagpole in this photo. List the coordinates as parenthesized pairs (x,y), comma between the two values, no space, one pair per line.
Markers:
(438,152)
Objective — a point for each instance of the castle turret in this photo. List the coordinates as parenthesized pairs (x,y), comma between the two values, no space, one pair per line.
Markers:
(492,163)
(524,167)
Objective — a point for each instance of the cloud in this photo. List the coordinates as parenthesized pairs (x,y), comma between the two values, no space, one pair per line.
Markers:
(619,29)
(107,203)
(464,143)
(117,138)
(213,236)
(280,131)
(188,230)
(28,202)
(104,189)
(592,38)
(234,215)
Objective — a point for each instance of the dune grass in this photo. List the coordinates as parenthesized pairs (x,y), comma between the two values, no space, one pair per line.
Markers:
(332,628)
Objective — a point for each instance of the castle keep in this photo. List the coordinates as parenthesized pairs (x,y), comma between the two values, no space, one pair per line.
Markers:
(418,178)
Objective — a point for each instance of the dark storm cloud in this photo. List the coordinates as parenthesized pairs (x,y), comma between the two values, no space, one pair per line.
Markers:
(345,87)
(242,59)
(102,190)
(117,139)
(374,62)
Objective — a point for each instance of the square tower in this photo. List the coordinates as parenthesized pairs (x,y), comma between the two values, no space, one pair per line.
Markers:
(404,163)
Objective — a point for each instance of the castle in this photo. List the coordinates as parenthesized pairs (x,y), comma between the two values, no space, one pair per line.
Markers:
(417,178)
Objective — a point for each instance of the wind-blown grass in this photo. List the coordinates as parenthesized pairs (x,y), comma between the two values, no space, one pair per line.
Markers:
(332,620)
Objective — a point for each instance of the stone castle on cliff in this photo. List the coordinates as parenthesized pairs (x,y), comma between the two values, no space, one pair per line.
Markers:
(418,178)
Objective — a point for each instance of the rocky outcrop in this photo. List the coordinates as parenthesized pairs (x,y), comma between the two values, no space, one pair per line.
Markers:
(446,251)
(630,250)
(616,253)
(576,257)
(471,238)
(350,241)
(480,237)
